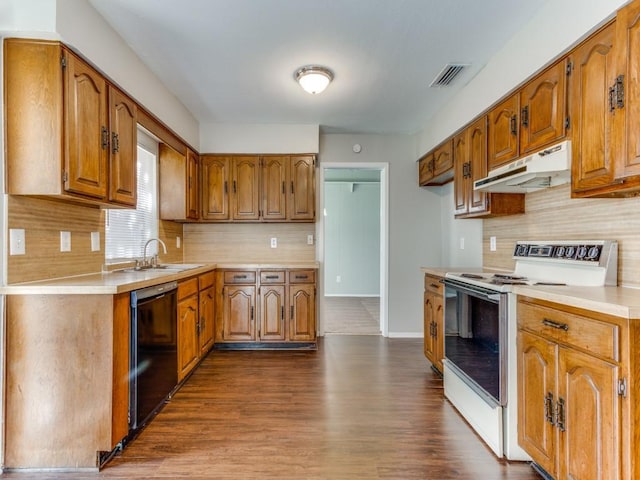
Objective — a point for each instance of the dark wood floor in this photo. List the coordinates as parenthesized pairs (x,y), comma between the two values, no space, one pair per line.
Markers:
(361,407)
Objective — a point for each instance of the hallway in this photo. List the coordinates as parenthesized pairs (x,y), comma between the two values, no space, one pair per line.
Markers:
(361,407)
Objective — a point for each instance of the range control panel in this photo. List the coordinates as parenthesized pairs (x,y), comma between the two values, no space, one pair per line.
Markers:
(588,251)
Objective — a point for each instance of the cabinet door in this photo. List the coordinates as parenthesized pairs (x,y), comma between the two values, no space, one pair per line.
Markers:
(438,331)
(593,73)
(188,348)
(627,112)
(425,170)
(443,158)
(275,173)
(192,196)
(124,140)
(302,198)
(461,189)
(215,187)
(477,201)
(86,129)
(302,313)
(173,181)
(207,318)
(429,312)
(543,109)
(504,132)
(239,313)
(245,203)
(537,399)
(589,407)
(272,313)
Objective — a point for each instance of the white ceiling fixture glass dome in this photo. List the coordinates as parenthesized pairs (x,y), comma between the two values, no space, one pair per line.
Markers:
(313,78)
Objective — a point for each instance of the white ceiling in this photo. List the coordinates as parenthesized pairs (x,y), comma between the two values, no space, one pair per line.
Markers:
(232,61)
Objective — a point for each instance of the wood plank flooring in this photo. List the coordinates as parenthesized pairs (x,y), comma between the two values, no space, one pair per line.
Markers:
(361,408)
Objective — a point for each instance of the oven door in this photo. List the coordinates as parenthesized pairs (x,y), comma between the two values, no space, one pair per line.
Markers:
(476,338)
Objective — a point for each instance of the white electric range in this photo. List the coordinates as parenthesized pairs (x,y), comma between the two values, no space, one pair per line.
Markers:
(480,365)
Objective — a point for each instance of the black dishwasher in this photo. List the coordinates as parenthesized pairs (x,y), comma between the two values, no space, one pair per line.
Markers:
(154,352)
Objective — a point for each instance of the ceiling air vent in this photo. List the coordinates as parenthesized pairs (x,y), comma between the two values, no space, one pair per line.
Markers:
(448,74)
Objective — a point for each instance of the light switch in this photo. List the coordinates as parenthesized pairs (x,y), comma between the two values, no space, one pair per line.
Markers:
(65,241)
(492,244)
(309,239)
(274,242)
(16,241)
(461,243)
(178,242)
(95,241)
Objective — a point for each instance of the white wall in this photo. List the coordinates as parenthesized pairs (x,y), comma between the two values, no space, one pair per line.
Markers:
(351,238)
(415,237)
(552,31)
(469,231)
(258,138)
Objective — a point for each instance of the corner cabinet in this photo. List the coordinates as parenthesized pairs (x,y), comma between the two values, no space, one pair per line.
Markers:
(573,378)
(267,188)
(434,320)
(259,307)
(179,192)
(64,120)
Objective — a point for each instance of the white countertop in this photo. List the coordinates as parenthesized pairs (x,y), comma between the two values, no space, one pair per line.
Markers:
(617,301)
(120,281)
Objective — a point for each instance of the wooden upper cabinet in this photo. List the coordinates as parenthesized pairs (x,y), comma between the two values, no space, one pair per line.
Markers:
(504,133)
(123,148)
(478,201)
(86,127)
(178,184)
(60,118)
(275,180)
(626,91)
(192,196)
(302,187)
(425,169)
(443,158)
(543,109)
(461,159)
(592,147)
(215,175)
(245,201)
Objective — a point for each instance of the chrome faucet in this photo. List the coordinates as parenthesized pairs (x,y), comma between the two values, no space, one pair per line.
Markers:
(154,261)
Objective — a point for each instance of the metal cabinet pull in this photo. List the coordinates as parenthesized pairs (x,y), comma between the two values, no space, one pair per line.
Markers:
(552,324)
(251,312)
(302,277)
(271,277)
(514,124)
(234,186)
(105,138)
(560,414)
(612,106)
(524,116)
(548,408)
(291,311)
(239,277)
(115,142)
(282,313)
(226,187)
(619,87)
(292,191)
(284,189)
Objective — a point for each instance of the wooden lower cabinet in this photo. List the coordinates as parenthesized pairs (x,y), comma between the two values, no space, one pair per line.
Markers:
(196,303)
(434,320)
(572,390)
(266,306)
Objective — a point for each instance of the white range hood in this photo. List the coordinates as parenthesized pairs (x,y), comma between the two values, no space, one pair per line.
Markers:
(547,168)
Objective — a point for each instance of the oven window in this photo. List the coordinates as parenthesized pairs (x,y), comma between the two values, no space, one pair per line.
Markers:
(474,346)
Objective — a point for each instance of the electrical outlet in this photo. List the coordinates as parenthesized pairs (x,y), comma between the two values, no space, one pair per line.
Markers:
(461,243)
(178,242)
(492,244)
(338,279)
(309,239)
(274,242)
(95,241)
(65,241)
(16,241)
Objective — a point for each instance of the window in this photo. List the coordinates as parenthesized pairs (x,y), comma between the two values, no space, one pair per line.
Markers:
(126,231)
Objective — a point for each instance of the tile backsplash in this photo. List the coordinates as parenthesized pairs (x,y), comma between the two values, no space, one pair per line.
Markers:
(552,214)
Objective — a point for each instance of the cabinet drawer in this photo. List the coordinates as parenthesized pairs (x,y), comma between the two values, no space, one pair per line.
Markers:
(206,280)
(590,335)
(187,288)
(302,276)
(267,277)
(240,276)
(433,284)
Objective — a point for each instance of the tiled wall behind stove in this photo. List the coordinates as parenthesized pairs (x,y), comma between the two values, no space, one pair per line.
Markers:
(552,214)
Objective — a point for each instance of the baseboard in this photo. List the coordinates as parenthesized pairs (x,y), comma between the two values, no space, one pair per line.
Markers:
(406,335)
(352,295)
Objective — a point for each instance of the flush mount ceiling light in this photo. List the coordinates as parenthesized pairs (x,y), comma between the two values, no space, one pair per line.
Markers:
(313,78)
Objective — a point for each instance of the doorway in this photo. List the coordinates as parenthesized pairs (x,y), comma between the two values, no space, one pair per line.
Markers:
(353,248)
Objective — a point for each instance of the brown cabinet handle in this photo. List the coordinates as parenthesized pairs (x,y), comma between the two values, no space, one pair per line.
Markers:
(239,277)
(271,277)
(226,187)
(548,408)
(524,116)
(291,311)
(105,138)
(284,188)
(560,414)
(252,313)
(115,142)
(302,277)
(514,124)
(552,324)
(292,188)
(282,313)
(234,186)
(619,86)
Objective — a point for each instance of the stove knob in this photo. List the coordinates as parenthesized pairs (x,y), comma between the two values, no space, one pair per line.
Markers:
(594,253)
(582,251)
(570,252)
(521,251)
(560,252)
